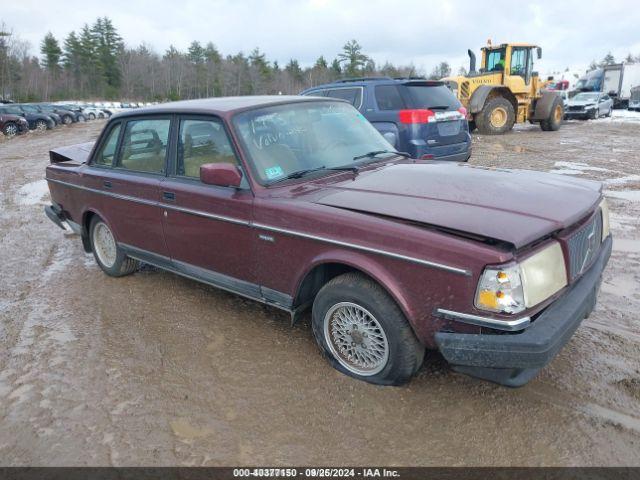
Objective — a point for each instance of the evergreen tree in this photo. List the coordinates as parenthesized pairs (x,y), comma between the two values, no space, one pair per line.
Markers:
(353,58)
(51,52)
(196,53)
(607,60)
(107,45)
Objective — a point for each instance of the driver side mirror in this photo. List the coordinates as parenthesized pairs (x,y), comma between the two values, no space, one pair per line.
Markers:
(220,174)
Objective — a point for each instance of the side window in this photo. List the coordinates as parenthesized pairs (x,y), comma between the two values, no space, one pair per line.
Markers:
(316,93)
(108,150)
(353,95)
(518,61)
(495,60)
(388,97)
(144,145)
(200,142)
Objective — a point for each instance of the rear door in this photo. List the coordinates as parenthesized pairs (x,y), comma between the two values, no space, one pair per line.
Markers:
(131,188)
(207,227)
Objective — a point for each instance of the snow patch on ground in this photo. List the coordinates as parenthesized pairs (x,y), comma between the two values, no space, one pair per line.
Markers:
(32,193)
(621,116)
(575,168)
(629,195)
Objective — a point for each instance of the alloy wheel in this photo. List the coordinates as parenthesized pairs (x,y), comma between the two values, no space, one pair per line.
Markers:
(356,339)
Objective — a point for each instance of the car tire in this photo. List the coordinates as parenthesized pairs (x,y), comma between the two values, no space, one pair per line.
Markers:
(67,119)
(497,117)
(363,333)
(92,116)
(10,129)
(109,256)
(40,125)
(553,122)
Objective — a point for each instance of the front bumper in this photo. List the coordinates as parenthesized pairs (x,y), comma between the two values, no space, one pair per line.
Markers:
(581,114)
(514,359)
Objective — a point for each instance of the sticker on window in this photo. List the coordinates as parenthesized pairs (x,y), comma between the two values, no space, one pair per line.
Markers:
(273,172)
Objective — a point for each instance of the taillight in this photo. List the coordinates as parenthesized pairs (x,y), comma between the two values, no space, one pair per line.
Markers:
(416,116)
(463,111)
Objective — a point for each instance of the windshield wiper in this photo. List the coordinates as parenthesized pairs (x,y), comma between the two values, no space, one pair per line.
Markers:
(375,153)
(302,173)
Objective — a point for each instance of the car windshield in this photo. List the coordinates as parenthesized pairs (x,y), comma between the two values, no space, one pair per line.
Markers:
(284,139)
(586,97)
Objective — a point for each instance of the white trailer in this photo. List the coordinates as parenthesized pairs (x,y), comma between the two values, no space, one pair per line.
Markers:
(618,81)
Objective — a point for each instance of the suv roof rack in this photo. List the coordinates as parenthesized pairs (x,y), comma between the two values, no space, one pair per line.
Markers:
(361,79)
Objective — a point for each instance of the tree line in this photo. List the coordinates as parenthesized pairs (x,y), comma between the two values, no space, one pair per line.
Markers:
(95,63)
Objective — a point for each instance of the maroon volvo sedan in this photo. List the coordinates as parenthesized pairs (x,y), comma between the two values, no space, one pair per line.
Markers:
(298,202)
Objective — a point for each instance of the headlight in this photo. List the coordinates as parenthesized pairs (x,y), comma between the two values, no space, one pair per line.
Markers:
(604,208)
(513,288)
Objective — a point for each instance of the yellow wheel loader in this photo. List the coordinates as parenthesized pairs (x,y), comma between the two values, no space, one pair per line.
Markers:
(506,90)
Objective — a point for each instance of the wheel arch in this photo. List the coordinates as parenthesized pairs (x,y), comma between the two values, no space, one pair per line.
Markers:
(324,269)
(486,92)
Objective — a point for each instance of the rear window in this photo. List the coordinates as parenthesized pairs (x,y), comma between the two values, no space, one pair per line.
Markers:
(431,96)
(388,97)
(352,95)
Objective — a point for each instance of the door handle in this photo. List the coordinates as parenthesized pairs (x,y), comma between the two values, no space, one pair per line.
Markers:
(107,184)
(169,196)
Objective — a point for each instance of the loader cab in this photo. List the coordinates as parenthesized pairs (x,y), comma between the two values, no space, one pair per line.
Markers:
(515,63)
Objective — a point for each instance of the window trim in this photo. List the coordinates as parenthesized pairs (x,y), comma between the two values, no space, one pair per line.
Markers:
(125,122)
(350,87)
(101,143)
(173,162)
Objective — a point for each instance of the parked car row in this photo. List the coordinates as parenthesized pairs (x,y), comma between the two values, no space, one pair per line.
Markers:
(18,118)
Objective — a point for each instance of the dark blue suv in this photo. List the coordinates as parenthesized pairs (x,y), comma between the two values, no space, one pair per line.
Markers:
(417,116)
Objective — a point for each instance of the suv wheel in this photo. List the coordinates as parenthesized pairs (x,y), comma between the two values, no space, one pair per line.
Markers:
(363,333)
(110,258)
(496,117)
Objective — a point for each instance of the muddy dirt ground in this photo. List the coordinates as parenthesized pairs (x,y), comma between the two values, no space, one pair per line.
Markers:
(155,369)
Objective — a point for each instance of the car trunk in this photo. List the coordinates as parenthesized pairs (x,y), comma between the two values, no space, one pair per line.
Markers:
(447,126)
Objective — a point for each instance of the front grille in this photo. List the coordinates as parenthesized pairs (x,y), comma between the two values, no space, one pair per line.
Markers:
(576,109)
(584,245)
(464,90)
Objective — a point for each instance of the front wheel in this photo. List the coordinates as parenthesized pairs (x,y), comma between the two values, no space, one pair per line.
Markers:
(10,129)
(67,120)
(497,116)
(109,256)
(553,122)
(92,116)
(363,332)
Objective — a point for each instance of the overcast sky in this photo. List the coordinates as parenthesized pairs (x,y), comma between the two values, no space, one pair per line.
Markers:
(422,32)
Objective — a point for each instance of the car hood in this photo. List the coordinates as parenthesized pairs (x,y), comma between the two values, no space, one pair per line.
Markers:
(581,104)
(515,206)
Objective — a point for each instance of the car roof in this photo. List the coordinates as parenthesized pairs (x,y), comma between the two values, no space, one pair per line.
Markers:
(361,82)
(221,105)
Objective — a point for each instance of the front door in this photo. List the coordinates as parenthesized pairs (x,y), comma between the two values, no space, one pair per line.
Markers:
(207,228)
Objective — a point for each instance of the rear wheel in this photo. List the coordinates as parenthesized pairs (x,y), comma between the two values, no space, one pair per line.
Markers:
(497,116)
(363,332)
(10,129)
(67,119)
(41,125)
(92,116)
(109,256)
(553,122)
